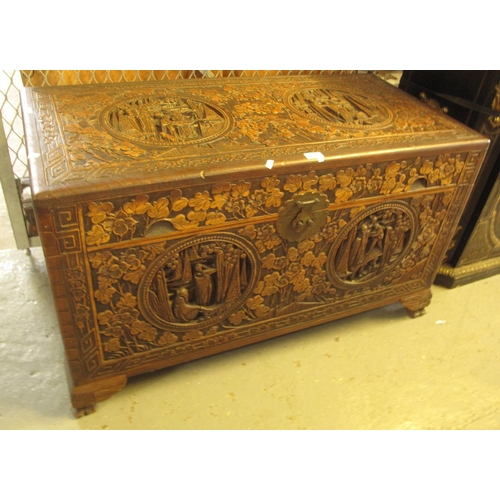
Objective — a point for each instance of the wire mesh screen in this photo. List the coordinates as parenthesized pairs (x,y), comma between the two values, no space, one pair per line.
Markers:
(10,107)
(42,78)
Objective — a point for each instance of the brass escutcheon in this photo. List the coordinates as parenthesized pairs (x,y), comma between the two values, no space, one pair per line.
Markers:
(302,216)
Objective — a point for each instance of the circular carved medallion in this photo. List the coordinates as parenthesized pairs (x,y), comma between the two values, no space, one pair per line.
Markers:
(199,282)
(339,107)
(164,120)
(372,244)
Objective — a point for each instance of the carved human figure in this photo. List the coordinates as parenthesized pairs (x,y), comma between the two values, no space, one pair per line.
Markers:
(203,283)
(376,242)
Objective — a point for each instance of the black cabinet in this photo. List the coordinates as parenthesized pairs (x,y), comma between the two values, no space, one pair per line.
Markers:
(473,98)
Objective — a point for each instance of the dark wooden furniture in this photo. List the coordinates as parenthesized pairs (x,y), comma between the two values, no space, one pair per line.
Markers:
(472,97)
(180,220)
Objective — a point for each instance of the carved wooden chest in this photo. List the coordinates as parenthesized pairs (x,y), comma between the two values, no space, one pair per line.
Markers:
(183,219)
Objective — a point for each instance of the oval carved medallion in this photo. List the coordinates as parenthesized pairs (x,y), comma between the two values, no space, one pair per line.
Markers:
(372,244)
(199,282)
(338,107)
(165,120)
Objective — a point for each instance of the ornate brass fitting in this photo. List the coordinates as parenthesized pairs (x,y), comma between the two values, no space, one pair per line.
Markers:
(302,216)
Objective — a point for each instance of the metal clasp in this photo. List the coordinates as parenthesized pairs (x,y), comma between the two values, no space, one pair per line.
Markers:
(302,216)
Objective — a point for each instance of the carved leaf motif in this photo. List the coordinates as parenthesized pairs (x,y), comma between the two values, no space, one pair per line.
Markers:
(236,318)
(327,182)
(160,209)
(249,231)
(388,185)
(268,261)
(99,211)
(194,335)
(151,251)
(254,302)
(105,317)
(134,275)
(274,198)
(343,194)
(250,211)
(427,167)
(219,201)
(201,201)
(128,300)
(112,345)
(319,260)
(168,338)
(214,218)
(121,226)
(180,222)
(292,254)
(267,239)
(100,258)
(301,285)
(104,295)
(270,183)
(293,183)
(178,201)
(138,206)
(197,216)
(97,236)
(306,245)
(114,331)
(261,311)
(270,284)
(223,187)
(241,188)
(392,170)
(400,185)
(309,181)
(345,177)
(307,259)
(143,330)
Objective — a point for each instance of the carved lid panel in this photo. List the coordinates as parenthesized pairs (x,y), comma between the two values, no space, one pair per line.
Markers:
(93,137)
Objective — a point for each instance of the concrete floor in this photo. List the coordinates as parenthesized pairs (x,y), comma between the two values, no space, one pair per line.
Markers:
(376,370)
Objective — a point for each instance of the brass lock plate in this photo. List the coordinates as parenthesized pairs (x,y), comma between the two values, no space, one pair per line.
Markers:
(302,216)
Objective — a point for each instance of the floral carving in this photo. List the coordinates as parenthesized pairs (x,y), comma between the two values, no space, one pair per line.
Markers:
(295,272)
(116,276)
(243,200)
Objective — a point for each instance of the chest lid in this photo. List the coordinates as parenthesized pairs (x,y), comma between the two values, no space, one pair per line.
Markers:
(90,139)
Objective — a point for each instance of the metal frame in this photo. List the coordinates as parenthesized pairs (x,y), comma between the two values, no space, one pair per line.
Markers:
(12,195)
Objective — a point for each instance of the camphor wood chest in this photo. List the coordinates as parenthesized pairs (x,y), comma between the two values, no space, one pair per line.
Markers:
(183,219)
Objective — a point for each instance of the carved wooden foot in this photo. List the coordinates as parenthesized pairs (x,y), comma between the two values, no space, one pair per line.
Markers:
(416,303)
(82,412)
(85,396)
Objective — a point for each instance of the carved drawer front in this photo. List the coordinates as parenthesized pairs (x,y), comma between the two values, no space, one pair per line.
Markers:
(179,221)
